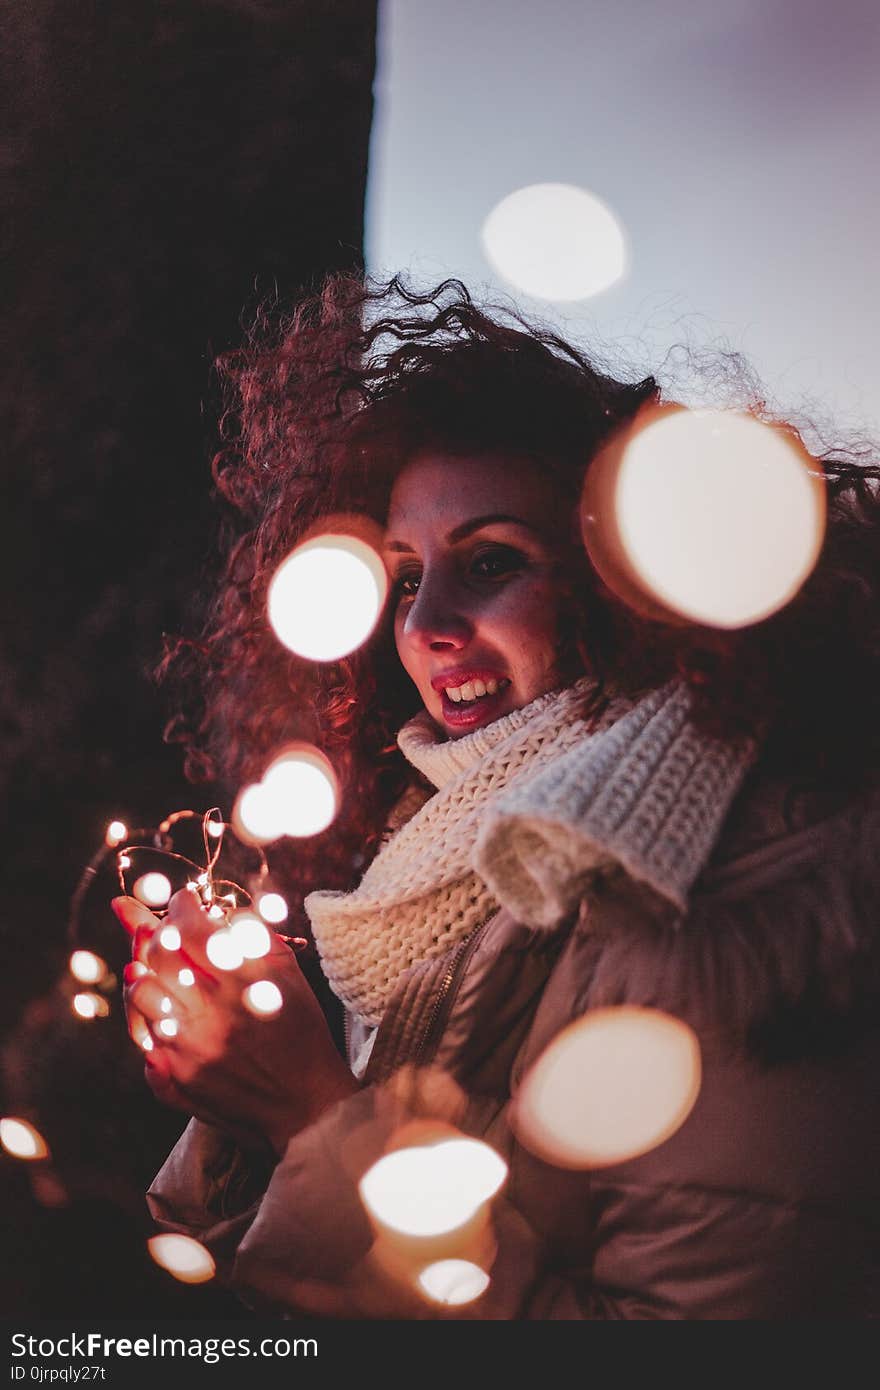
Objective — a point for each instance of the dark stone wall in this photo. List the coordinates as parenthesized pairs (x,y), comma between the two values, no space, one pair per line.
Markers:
(166,165)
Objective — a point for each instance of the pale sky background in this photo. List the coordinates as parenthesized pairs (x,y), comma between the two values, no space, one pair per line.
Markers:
(737,144)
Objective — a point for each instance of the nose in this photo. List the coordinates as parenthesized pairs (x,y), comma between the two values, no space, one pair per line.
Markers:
(437,619)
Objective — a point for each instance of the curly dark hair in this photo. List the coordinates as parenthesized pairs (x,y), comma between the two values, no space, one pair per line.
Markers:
(321,409)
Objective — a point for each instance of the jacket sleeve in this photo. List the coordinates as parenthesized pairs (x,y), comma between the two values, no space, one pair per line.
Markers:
(297,1240)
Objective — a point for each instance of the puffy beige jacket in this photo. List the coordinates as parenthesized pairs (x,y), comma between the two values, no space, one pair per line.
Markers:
(764,1204)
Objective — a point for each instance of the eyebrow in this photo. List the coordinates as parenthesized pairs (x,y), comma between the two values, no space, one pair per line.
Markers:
(467,528)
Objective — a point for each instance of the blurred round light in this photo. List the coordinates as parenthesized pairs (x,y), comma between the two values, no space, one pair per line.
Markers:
(263,997)
(86,967)
(251,936)
(428,1190)
(272,907)
(183,1257)
(169,937)
(186,977)
(556,241)
(216,828)
(169,1026)
(89,1005)
(709,516)
(325,598)
(21,1140)
(223,951)
(154,889)
(147,1043)
(453,1281)
(166,1005)
(116,831)
(611,1086)
(297,797)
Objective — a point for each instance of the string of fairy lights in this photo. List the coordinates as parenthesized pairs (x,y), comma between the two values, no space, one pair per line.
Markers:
(673,513)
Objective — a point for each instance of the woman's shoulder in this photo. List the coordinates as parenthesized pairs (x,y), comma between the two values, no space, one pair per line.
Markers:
(780,944)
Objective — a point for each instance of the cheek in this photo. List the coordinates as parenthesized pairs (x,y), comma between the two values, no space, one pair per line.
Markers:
(532,619)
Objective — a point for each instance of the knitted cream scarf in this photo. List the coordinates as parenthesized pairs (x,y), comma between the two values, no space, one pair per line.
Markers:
(526,810)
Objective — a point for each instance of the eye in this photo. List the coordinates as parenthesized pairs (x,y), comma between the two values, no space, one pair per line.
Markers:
(405,584)
(496,561)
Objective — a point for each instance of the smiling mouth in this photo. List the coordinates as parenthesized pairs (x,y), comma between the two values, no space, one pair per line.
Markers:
(470,709)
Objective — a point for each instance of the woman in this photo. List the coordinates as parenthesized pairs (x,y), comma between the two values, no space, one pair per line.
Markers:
(583,809)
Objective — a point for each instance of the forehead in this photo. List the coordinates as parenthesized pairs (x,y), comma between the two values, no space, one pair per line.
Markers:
(437,491)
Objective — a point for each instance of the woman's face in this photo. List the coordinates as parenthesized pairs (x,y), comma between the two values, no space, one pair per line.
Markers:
(473,547)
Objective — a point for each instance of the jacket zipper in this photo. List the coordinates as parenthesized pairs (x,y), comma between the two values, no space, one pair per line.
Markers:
(446,993)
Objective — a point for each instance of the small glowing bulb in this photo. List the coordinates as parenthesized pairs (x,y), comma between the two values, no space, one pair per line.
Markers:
(169,937)
(124,861)
(147,1043)
(216,828)
(154,889)
(186,977)
(89,1005)
(453,1281)
(138,968)
(263,997)
(252,938)
(183,1257)
(272,907)
(168,1026)
(21,1140)
(166,1005)
(86,967)
(223,951)
(116,831)
(215,911)
(202,879)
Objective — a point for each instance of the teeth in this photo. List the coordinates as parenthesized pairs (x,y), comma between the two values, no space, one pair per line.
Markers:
(474,690)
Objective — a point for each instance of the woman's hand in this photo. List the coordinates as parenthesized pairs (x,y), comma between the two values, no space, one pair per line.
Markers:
(260,1078)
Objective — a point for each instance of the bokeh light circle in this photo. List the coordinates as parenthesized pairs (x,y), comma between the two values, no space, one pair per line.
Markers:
(153,889)
(86,967)
(21,1140)
(183,1257)
(263,998)
(90,1005)
(298,797)
(251,936)
(555,241)
(223,951)
(325,598)
(428,1190)
(609,1087)
(453,1282)
(705,516)
(272,907)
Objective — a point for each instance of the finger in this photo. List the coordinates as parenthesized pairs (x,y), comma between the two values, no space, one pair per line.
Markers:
(133,914)
(178,971)
(143,935)
(163,1085)
(161,1010)
(186,912)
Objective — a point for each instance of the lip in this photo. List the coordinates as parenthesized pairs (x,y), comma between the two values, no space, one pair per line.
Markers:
(477,712)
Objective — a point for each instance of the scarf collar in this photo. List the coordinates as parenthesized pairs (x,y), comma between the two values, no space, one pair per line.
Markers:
(526,811)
